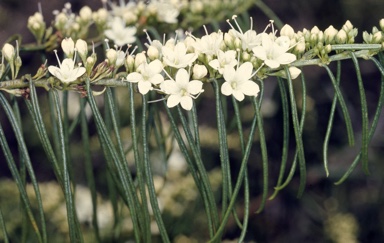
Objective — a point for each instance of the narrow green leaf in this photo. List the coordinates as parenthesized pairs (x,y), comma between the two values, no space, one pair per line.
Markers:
(34,110)
(343,106)
(223,148)
(192,167)
(330,123)
(264,154)
(19,181)
(284,154)
(139,167)
(88,166)
(238,184)
(3,228)
(113,114)
(148,174)
(201,169)
(74,230)
(298,134)
(375,121)
(110,151)
(364,116)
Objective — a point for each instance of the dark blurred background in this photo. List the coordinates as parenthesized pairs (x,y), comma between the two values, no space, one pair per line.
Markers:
(350,212)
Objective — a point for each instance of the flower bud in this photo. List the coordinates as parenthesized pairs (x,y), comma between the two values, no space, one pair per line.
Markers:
(68,47)
(60,21)
(111,55)
(381,23)
(377,37)
(228,40)
(245,56)
(153,53)
(367,37)
(120,59)
(139,59)
(328,48)
(330,34)
(315,30)
(82,49)
(287,30)
(129,63)
(85,14)
(341,37)
(37,26)
(8,52)
(347,26)
(199,71)
(90,62)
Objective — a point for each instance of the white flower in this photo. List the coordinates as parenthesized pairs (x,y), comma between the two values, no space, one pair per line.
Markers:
(181,90)
(274,52)
(119,33)
(147,75)
(66,72)
(177,57)
(223,60)
(209,44)
(238,83)
(165,11)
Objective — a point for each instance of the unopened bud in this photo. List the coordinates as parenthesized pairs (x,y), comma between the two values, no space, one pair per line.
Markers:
(341,37)
(330,34)
(287,30)
(199,71)
(8,52)
(153,53)
(377,37)
(68,47)
(381,23)
(139,59)
(85,14)
(129,63)
(347,26)
(82,49)
(111,55)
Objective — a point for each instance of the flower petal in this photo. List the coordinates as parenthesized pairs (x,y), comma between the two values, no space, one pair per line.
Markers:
(226,89)
(286,58)
(173,100)
(194,87)
(135,77)
(144,87)
(186,102)
(249,88)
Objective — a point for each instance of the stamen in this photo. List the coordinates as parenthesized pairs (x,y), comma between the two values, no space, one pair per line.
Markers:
(148,37)
(106,43)
(237,24)
(57,57)
(228,21)
(39,8)
(253,74)
(205,28)
(158,100)
(166,73)
(251,20)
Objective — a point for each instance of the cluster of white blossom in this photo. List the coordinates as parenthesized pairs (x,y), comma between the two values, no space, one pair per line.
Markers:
(179,67)
(120,22)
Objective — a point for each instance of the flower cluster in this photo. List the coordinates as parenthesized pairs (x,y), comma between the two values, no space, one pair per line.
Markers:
(121,22)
